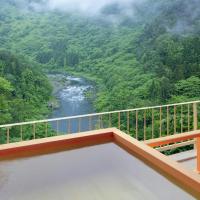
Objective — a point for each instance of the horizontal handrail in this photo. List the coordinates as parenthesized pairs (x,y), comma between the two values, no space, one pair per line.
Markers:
(179,138)
(175,145)
(95,114)
(141,123)
(173,138)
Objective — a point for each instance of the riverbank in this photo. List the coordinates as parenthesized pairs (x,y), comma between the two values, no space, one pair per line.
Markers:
(58,81)
(67,71)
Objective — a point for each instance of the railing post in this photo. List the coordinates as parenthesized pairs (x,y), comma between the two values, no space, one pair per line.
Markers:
(198,154)
(160,128)
(195,117)
(46,129)
(79,125)
(34,131)
(181,118)
(68,126)
(8,135)
(144,125)
(188,117)
(90,123)
(128,124)
(152,124)
(195,121)
(167,120)
(110,120)
(57,127)
(136,125)
(100,121)
(119,120)
(21,133)
(174,119)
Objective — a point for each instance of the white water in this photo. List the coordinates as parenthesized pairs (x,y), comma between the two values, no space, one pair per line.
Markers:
(73,94)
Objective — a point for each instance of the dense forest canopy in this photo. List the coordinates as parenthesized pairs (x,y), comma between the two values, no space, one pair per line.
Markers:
(24,91)
(138,52)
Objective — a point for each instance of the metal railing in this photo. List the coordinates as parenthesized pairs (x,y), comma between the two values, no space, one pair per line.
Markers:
(141,123)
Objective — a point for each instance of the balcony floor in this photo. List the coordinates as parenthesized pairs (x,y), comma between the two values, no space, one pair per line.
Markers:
(187,159)
(97,172)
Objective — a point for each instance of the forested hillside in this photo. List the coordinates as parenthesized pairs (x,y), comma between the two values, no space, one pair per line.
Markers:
(24,91)
(149,57)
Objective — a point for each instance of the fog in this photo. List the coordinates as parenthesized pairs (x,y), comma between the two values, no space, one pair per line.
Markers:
(187,11)
(89,7)
(185,20)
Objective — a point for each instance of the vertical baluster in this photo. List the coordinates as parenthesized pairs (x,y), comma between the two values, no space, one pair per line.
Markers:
(144,124)
(128,123)
(110,120)
(69,126)
(90,123)
(136,124)
(174,119)
(152,126)
(188,117)
(181,118)
(66,126)
(167,120)
(195,119)
(21,133)
(119,120)
(195,126)
(8,135)
(99,122)
(160,122)
(195,122)
(34,131)
(57,127)
(198,154)
(79,125)
(46,129)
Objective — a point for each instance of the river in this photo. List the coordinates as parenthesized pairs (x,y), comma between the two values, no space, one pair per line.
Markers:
(70,93)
